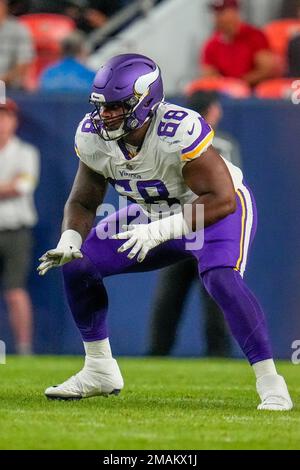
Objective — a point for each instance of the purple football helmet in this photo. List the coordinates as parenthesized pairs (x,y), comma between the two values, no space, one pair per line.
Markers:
(134,83)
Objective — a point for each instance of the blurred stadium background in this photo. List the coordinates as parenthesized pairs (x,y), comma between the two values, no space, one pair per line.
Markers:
(268,130)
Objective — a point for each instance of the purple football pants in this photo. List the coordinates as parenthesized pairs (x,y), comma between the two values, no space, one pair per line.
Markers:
(222,259)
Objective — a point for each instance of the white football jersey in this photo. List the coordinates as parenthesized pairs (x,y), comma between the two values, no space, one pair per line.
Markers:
(154,176)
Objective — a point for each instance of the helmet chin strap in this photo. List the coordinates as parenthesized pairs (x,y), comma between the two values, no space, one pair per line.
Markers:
(119,133)
(114,135)
(125,128)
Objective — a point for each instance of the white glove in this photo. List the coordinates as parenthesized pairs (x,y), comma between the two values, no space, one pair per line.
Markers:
(68,249)
(144,237)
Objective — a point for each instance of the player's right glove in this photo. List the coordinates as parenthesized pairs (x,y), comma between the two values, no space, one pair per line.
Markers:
(67,250)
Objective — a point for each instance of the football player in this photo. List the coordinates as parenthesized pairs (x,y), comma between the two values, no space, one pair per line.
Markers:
(158,155)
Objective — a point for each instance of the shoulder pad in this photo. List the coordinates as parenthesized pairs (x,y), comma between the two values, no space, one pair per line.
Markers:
(185,131)
(86,138)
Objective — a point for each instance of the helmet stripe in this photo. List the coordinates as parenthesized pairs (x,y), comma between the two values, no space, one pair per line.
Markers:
(142,84)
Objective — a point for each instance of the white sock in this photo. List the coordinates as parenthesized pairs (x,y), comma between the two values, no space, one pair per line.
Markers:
(98,349)
(264,368)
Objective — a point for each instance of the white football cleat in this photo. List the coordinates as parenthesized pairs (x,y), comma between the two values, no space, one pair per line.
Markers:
(274,393)
(98,377)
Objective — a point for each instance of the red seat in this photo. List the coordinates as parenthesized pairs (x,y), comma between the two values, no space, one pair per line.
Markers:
(281,88)
(228,86)
(47,30)
(279,34)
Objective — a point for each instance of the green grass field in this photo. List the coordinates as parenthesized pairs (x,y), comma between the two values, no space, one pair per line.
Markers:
(166,404)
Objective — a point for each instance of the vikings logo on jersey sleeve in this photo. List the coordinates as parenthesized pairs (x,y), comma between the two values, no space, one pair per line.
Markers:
(197,137)
(183,130)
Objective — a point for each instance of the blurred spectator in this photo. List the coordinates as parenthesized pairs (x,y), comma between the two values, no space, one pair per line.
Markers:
(16,49)
(176,281)
(70,74)
(98,13)
(174,285)
(18,178)
(290,9)
(207,103)
(237,49)
(88,14)
(260,12)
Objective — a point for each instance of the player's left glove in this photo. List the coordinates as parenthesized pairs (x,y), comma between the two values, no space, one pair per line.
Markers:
(144,237)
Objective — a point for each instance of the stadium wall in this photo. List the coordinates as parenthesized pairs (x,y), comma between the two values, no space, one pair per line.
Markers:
(269,135)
